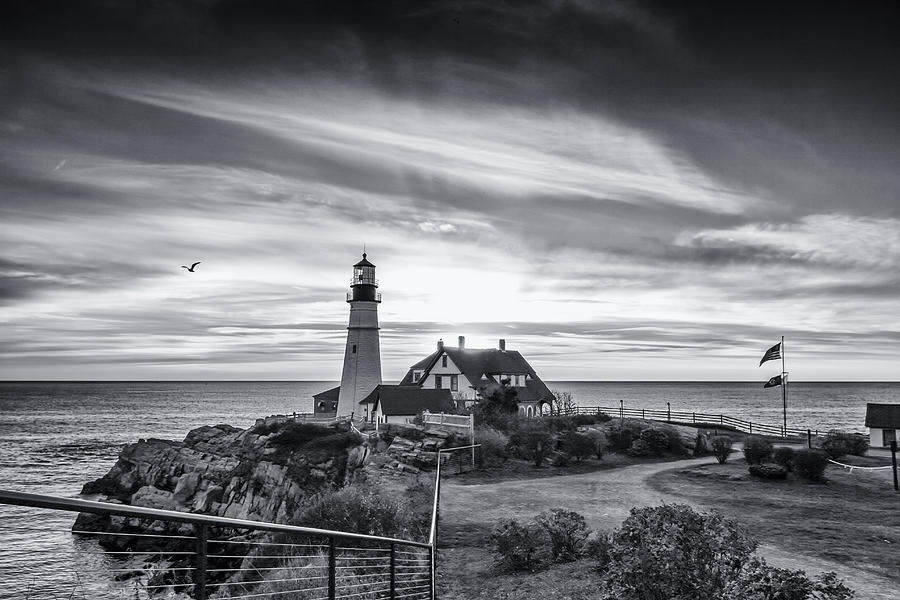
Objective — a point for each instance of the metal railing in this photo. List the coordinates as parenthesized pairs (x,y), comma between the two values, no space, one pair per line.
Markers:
(161,551)
(692,418)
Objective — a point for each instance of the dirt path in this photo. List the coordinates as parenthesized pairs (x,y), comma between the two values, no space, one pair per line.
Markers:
(605,498)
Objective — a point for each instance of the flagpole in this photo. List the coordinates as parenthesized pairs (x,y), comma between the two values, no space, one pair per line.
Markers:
(783,388)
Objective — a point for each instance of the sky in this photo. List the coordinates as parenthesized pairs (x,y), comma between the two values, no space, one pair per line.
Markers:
(621,190)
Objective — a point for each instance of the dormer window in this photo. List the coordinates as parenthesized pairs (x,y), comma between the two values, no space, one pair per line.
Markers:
(416,375)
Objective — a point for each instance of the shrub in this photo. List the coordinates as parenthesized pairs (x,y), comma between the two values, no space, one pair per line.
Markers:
(657,440)
(721,447)
(758,581)
(838,443)
(621,435)
(784,456)
(602,417)
(676,445)
(810,464)
(582,420)
(293,434)
(757,450)
(497,401)
(493,446)
(672,551)
(768,471)
(531,443)
(640,448)
(598,547)
(517,547)
(598,439)
(369,510)
(320,449)
(566,531)
(578,445)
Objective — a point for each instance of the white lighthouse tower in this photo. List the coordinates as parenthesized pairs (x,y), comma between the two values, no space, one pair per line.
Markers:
(362,357)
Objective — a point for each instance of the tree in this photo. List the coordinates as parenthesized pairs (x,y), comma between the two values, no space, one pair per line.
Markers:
(563,403)
(497,402)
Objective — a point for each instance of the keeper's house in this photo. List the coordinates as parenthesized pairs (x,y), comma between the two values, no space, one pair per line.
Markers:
(883,421)
(467,372)
(398,404)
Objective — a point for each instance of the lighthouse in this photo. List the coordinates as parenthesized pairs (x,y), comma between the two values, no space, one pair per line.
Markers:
(362,356)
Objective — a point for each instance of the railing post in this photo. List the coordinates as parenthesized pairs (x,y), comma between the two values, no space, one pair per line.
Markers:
(200,575)
(693,417)
(808,438)
(393,571)
(643,414)
(721,419)
(894,464)
(331,569)
(668,412)
(751,427)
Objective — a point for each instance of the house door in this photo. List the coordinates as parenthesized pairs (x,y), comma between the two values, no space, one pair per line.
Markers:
(889,435)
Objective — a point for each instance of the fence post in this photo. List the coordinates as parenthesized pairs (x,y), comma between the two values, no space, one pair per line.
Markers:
(331,569)
(693,417)
(894,464)
(721,419)
(393,571)
(643,414)
(200,575)
(751,427)
(622,409)
(668,412)
(808,438)
(431,585)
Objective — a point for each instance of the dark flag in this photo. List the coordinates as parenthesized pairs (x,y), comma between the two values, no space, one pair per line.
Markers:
(773,382)
(773,353)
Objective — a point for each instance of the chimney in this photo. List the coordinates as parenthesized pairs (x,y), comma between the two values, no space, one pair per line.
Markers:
(462,342)
(502,344)
(440,345)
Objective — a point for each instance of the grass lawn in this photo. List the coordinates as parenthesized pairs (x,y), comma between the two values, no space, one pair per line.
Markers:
(853,519)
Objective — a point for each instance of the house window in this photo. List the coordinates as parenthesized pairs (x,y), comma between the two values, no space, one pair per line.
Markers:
(416,375)
(888,436)
(354,348)
(437,382)
(444,360)
(454,383)
(517,381)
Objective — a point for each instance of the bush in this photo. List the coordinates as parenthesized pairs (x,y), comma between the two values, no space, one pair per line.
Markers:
(578,445)
(497,402)
(657,440)
(784,456)
(371,510)
(582,420)
(566,531)
(518,547)
(757,450)
(493,446)
(758,581)
(602,417)
(292,434)
(598,439)
(721,447)
(768,471)
(810,464)
(839,443)
(320,449)
(672,551)
(621,435)
(531,443)
(676,445)
(640,448)
(598,547)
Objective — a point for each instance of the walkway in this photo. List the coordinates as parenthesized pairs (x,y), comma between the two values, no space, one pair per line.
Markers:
(605,499)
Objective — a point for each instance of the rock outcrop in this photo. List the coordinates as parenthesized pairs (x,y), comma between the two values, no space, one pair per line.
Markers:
(262,474)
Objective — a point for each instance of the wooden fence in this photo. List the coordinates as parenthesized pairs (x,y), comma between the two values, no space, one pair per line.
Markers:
(692,418)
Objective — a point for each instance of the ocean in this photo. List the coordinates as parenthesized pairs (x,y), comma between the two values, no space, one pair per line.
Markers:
(55,436)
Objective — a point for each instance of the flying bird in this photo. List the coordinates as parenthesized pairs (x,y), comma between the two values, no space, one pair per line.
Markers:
(191,268)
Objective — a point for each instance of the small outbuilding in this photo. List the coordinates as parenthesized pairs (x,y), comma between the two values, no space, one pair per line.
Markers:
(397,404)
(883,421)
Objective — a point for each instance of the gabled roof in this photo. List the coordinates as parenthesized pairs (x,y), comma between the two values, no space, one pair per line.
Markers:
(883,416)
(327,395)
(408,400)
(479,364)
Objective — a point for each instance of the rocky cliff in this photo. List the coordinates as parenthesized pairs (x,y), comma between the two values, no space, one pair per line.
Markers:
(265,473)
